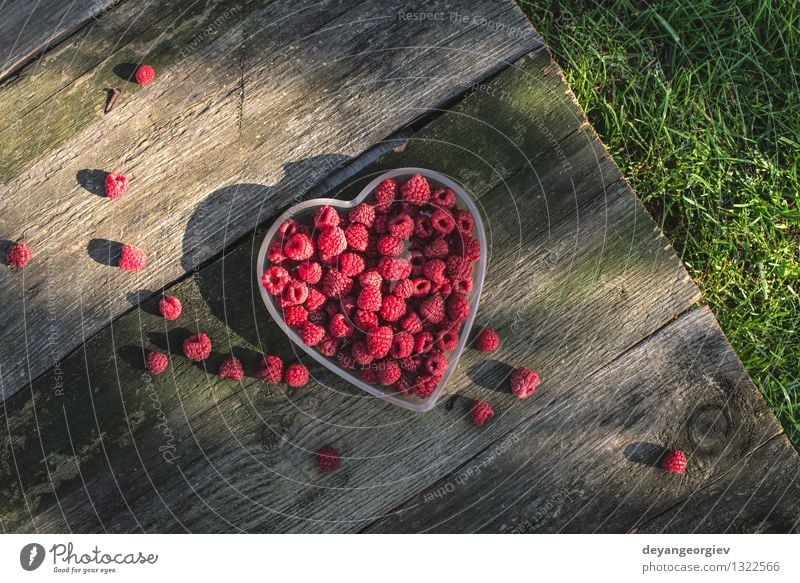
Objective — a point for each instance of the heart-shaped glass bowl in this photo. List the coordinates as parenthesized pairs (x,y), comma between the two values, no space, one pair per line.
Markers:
(303,211)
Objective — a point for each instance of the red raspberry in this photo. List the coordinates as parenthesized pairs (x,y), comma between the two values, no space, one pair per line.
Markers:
(436,363)
(442,221)
(231,368)
(132,258)
(467,246)
(411,323)
(347,304)
(298,247)
(275,252)
(401,226)
(295,316)
(461,286)
(379,341)
(422,227)
(404,288)
(481,412)
(197,347)
(361,353)
(458,267)
(115,185)
(416,190)
(464,221)
(388,373)
(458,308)
(424,386)
(328,459)
(432,309)
(390,246)
(331,242)
(385,193)
(392,308)
(170,307)
(487,340)
(402,345)
(523,382)
(328,346)
(674,462)
(409,363)
(357,237)
(315,300)
(335,284)
(295,292)
(443,198)
(447,339)
(403,386)
(381,225)
(286,228)
(309,272)
(370,298)
(365,320)
(437,249)
(369,375)
(145,75)
(324,217)
(270,369)
(423,342)
(434,270)
(370,277)
(18,255)
(364,213)
(351,264)
(340,326)
(157,362)
(296,375)
(444,287)
(394,268)
(422,286)
(311,333)
(417,261)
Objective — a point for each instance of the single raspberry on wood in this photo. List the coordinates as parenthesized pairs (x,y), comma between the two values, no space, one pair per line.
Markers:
(385,193)
(295,316)
(402,345)
(436,363)
(443,198)
(132,258)
(416,190)
(364,213)
(298,247)
(270,369)
(115,185)
(357,237)
(458,308)
(351,264)
(328,459)
(379,341)
(340,326)
(157,362)
(18,255)
(674,462)
(523,382)
(170,307)
(481,412)
(311,333)
(324,217)
(335,284)
(197,347)
(231,368)
(394,268)
(370,298)
(331,242)
(392,308)
(309,272)
(432,309)
(487,340)
(145,75)
(401,226)
(388,373)
(296,375)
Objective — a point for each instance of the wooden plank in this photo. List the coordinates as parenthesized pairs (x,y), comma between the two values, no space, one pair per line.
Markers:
(244,461)
(238,140)
(30,28)
(586,463)
(759,495)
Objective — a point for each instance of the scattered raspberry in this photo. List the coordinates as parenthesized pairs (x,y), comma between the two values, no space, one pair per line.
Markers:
(674,462)
(416,190)
(335,284)
(443,198)
(392,308)
(436,363)
(325,216)
(18,255)
(170,307)
(331,242)
(298,247)
(295,316)
(231,368)
(442,221)
(385,193)
(402,345)
(157,362)
(296,375)
(487,340)
(270,369)
(458,308)
(132,258)
(379,341)
(481,412)
(309,272)
(370,298)
(357,237)
(328,459)
(115,185)
(523,382)
(145,75)
(311,333)
(432,309)
(340,326)
(388,373)
(351,264)
(197,347)
(401,226)
(294,293)
(394,268)
(390,246)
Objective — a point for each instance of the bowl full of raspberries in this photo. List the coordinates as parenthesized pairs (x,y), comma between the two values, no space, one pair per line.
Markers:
(382,289)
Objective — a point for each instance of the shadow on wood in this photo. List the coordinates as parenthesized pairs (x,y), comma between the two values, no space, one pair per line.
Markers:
(105,251)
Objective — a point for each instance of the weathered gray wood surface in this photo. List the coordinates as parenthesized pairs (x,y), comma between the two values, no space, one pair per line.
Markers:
(254,115)
(30,28)
(587,462)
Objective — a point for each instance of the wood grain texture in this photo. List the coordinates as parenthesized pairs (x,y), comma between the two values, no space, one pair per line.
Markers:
(250,119)
(30,28)
(587,462)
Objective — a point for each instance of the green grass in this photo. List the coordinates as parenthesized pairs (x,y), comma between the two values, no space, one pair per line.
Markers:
(698,101)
